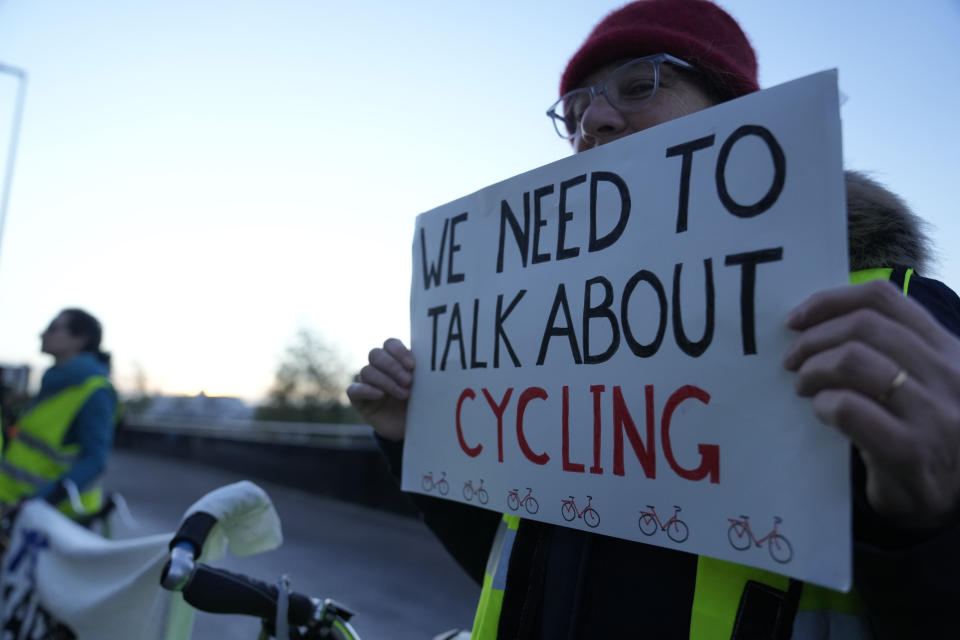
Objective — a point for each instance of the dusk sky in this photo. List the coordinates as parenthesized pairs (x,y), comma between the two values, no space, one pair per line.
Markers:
(208,176)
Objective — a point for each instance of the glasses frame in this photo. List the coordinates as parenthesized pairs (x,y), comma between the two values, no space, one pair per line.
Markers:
(559,123)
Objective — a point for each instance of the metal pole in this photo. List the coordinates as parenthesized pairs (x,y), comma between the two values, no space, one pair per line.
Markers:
(21,77)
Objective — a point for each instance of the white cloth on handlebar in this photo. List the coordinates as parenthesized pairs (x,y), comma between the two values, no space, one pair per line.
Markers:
(56,571)
(246,520)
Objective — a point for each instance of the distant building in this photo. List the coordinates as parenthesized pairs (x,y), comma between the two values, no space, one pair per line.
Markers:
(13,392)
(198,407)
(14,378)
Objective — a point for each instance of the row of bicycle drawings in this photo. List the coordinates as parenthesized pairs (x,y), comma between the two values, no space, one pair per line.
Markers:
(739,533)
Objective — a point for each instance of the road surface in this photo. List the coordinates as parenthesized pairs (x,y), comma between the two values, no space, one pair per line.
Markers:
(388,568)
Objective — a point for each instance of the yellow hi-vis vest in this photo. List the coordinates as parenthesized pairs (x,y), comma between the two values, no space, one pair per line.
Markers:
(36,454)
(720,585)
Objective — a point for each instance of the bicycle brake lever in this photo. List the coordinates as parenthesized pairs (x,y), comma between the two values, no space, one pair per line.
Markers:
(123,511)
(333,609)
(179,568)
(74,494)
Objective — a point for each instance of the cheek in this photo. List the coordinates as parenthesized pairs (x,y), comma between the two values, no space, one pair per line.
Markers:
(578,145)
(689,100)
(642,121)
(670,107)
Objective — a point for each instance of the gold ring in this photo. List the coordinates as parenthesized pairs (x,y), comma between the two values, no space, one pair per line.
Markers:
(895,384)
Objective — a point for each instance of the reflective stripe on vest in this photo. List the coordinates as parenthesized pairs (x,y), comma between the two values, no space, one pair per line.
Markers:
(495,580)
(36,455)
(42,447)
(822,613)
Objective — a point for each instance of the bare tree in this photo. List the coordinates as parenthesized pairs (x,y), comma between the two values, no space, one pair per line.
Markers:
(310,383)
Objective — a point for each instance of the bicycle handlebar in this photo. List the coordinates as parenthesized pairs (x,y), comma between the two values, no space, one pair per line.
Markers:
(220,591)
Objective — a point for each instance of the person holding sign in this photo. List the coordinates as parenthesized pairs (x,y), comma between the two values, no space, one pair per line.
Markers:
(880,361)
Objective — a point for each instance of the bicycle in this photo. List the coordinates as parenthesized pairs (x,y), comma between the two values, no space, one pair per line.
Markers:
(514,501)
(778,546)
(676,528)
(97,521)
(442,485)
(21,614)
(283,613)
(125,599)
(568,510)
(480,492)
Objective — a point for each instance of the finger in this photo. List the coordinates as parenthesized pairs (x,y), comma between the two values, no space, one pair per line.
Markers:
(360,392)
(878,433)
(399,351)
(896,342)
(853,365)
(376,377)
(383,361)
(878,295)
(858,368)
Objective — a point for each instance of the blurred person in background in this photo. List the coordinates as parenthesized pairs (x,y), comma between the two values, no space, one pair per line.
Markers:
(880,361)
(65,435)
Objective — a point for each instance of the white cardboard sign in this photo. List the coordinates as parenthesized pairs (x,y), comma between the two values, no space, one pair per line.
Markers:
(599,341)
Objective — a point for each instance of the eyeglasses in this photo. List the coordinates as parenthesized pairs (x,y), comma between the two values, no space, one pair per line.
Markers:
(628,88)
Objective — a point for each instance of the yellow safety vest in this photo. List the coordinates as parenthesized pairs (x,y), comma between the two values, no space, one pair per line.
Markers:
(719,585)
(495,580)
(36,454)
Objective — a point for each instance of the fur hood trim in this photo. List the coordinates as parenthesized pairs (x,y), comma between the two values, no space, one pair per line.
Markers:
(883,231)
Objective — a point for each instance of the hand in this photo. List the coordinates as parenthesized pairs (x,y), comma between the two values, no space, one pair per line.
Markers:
(381,391)
(853,343)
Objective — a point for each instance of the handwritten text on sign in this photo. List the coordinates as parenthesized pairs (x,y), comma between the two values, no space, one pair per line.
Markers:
(599,341)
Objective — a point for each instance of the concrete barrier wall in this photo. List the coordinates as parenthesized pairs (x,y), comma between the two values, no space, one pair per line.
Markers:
(337,461)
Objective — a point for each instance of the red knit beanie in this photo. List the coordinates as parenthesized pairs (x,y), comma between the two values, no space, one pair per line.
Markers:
(696,31)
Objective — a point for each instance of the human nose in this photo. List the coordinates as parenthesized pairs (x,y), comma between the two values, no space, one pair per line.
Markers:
(600,123)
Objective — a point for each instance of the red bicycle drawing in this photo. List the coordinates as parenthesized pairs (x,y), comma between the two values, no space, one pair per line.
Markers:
(514,501)
(740,536)
(480,492)
(442,485)
(676,528)
(568,510)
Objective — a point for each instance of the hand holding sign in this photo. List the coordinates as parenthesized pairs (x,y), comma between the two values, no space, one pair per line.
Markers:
(382,388)
(854,342)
